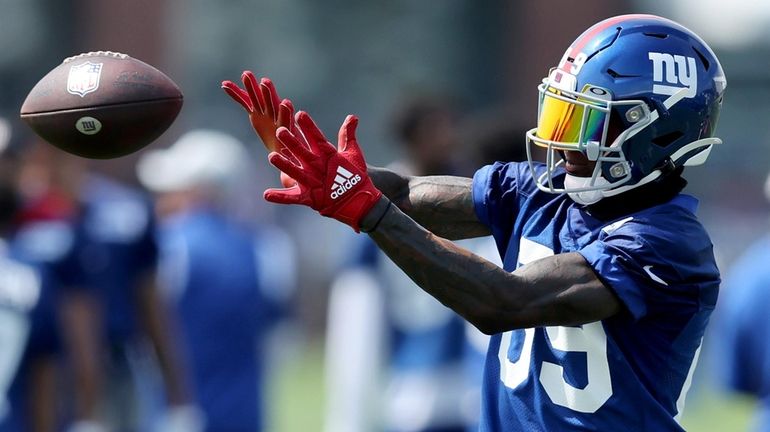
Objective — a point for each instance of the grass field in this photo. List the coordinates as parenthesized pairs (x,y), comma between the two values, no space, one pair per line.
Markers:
(298,392)
(298,400)
(710,411)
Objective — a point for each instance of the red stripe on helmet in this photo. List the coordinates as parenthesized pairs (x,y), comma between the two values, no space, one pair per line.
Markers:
(591,33)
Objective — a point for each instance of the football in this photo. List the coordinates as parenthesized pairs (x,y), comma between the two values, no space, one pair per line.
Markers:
(102,105)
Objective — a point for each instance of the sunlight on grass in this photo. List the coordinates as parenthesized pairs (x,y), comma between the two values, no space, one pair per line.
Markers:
(297,393)
(710,411)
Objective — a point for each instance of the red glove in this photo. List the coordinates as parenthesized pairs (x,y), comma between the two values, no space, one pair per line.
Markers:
(266,113)
(332,181)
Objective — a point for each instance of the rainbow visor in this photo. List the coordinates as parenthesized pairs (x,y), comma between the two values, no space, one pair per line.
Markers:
(569,120)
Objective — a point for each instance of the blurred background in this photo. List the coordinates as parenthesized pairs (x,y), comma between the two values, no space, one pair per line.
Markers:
(481,60)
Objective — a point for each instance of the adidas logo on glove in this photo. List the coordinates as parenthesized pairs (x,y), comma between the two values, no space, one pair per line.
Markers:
(343,182)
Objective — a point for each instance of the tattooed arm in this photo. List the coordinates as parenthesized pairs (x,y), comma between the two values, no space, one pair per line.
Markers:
(557,290)
(442,204)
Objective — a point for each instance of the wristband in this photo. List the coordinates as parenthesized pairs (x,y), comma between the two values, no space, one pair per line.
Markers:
(379,219)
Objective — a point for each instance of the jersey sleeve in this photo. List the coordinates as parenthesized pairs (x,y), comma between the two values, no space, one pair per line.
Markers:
(495,197)
(655,271)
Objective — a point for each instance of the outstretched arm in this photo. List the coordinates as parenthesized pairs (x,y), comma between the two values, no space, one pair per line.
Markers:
(442,204)
(557,290)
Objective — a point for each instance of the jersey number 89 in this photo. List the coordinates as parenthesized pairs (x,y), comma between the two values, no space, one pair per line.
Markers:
(588,338)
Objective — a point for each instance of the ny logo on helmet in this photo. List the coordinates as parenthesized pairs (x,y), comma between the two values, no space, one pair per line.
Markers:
(671,73)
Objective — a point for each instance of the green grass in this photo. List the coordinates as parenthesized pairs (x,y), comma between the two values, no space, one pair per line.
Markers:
(297,400)
(297,393)
(710,411)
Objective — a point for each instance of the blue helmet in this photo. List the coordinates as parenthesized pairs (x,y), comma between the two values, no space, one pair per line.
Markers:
(638,94)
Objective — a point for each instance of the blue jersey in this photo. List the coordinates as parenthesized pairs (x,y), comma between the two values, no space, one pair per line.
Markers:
(628,372)
(229,285)
(45,244)
(114,248)
(742,348)
(22,308)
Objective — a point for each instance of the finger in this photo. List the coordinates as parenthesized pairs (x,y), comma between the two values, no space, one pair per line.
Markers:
(313,135)
(294,145)
(296,172)
(286,119)
(346,140)
(270,96)
(250,82)
(286,115)
(292,195)
(237,94)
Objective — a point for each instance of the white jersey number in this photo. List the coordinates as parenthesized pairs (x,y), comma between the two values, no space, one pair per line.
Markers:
(589,338)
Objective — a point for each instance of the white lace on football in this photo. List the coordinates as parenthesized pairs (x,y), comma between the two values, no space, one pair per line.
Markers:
(97,54)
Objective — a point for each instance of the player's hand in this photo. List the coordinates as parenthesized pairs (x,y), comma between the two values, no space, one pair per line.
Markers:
(266,112)
(332,181)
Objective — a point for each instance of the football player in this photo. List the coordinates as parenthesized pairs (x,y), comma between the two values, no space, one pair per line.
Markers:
(740,344)
(221,276)
(25,299)
(609,279)
(97,235)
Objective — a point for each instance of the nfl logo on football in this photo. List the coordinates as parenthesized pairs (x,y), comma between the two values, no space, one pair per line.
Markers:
(84,78)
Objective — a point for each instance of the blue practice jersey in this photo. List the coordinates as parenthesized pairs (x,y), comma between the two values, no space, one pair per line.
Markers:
(22,286)
(741,345)
(114,248)
(229,285)
(629,372)
(45,244)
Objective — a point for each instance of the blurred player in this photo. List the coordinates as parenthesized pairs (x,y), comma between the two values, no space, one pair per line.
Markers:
(740,341)
(108,303)
(374,303)
(114,313)
(26,291)
(228,281)
(609,279)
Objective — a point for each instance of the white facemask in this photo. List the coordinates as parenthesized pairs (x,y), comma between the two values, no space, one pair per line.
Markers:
(586,197)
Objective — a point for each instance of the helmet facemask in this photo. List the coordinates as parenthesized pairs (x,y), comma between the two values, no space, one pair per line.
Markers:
(569,120)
